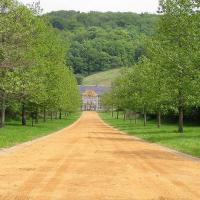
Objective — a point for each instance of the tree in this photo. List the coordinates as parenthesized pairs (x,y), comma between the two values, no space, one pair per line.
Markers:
(15,23)
(33,71)
(179,30)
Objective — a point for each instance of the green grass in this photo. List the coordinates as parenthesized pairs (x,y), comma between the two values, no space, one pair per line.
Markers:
(13,133)
(102,78)
(167,135)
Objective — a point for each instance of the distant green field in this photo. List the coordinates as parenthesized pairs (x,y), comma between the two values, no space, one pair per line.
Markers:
(102,78)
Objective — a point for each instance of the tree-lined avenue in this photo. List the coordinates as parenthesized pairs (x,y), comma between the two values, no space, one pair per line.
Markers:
(91,160)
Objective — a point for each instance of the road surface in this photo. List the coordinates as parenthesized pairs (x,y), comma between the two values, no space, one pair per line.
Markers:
(92,161)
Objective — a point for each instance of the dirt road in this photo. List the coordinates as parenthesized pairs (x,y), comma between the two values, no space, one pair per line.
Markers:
(91,161)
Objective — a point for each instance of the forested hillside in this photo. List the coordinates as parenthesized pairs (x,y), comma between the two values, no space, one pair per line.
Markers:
(101,41)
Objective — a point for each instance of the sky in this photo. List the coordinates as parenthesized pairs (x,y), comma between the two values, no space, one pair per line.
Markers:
(137,6)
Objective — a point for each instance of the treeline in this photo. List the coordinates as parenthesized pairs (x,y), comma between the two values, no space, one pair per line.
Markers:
(102,41)
(167,79)
(34,77)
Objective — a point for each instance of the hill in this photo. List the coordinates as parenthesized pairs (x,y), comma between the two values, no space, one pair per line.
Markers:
(101,41)
(102,78)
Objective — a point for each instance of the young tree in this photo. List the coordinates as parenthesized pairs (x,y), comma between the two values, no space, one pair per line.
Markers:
(179,32)
(32,63)
(12,42)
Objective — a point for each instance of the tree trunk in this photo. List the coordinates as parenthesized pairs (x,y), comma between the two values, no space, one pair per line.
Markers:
(112,112)
(23,115)
(180,128)
(51,115)
(117,114)
(32,121)
(159,119)
(124,116)
(60,114)
(44,114)
(180,110)
(145,117)
(36,117)
(56,115)
(130,118)
(3,110)
(135,118)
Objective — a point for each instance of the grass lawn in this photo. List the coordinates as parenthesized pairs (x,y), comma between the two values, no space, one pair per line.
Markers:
(14,133)
(102,78)
(167,135)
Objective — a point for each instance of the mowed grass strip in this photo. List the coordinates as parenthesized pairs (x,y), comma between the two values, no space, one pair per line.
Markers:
(167,135)
(102,78)
(14,133)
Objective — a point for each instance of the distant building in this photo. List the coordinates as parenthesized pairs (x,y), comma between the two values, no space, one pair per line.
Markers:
(91,97)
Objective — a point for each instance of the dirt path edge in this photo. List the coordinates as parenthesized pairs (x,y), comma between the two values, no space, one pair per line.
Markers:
(28,143)
(179,153)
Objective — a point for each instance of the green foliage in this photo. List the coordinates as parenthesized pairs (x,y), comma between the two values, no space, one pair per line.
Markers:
(103,41)
(79,79)
(34,75)
(167,78)
(179,37)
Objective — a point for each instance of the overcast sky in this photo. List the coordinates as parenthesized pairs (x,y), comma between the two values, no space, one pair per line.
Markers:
(99,5)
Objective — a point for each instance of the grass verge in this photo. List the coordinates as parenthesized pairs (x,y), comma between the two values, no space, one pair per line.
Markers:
(167,135)
(102,78)
(14,133)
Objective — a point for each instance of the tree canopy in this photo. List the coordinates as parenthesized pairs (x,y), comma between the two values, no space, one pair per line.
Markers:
(34,74)
(167,77)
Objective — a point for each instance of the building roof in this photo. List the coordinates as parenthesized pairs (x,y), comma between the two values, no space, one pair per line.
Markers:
(90,93)
(98,89)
